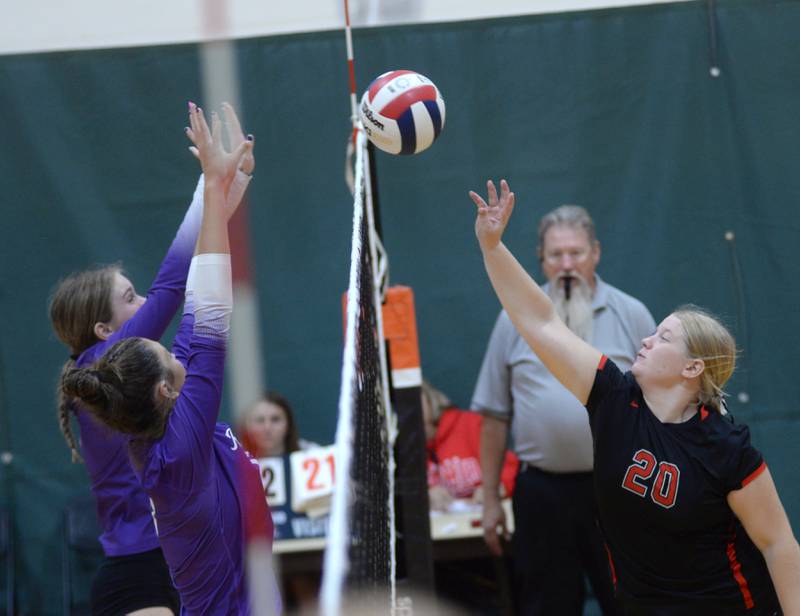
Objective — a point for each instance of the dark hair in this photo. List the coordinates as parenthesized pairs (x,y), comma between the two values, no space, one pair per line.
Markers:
(79,301)
(290,441)
(119,389)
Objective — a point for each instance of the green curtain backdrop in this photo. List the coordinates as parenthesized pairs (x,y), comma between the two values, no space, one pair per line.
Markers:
(611,109)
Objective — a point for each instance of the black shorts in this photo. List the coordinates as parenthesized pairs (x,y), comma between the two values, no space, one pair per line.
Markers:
(124,584)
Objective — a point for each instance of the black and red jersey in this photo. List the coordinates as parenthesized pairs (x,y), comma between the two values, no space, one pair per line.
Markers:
(675,546)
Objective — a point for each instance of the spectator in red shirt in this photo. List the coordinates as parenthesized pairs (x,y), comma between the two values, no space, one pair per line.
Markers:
(453,446)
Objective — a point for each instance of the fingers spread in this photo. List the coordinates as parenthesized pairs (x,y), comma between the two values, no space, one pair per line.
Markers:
(477,199)
(234,128)
(202,131)
(216,125)
(193,121)
(244,148)
(511,200)
(492,193)
(190,134)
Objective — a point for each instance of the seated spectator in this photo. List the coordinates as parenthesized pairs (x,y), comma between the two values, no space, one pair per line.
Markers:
(268,428)
(453,443)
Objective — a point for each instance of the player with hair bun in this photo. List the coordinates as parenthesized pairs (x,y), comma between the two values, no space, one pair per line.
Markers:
(90,311)
(691,517)
(198,477)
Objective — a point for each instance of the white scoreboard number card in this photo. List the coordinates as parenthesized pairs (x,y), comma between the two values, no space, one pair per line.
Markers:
(273,478)
(313,472)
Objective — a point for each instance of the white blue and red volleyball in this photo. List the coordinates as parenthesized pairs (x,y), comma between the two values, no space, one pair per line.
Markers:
(402,112)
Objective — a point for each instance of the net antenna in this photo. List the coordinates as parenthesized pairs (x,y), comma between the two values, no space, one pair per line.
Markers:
(359,566)
(245,363)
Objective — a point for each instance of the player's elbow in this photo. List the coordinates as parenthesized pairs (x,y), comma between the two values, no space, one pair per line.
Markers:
(776,544)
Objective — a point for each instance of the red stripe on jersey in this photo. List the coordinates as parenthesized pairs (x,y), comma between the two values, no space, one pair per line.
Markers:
(611,564)
(382,81)
(736,570)
(398,105)
(754,474)
(602,363)
(634,404)
(703,413)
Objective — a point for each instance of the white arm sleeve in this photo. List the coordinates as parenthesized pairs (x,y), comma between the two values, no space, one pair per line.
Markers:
(211,292)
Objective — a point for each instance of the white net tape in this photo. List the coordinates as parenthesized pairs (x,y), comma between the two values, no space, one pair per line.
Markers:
(342,535)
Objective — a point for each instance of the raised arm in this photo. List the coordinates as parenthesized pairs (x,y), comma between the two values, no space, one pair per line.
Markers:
(571,360)
(219,168)
(238,168)
(180,345)
(166,292)
(232,169)
(209,300)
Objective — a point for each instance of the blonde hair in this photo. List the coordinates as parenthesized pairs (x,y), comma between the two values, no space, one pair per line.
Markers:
(78,302)
(708,339)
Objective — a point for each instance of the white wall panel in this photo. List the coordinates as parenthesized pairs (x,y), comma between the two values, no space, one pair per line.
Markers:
(50,25)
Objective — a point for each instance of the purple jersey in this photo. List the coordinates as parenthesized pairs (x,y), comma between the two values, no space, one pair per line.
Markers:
(123,509)
(195,476)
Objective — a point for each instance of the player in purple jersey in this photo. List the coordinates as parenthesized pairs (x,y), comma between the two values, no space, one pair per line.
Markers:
(205,490)
(90,311)
(691,517)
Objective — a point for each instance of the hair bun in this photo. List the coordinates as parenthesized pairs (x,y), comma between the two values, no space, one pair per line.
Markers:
(85,384)
(108,376)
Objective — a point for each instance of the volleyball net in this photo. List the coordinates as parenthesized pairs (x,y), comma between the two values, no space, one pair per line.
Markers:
(359,565)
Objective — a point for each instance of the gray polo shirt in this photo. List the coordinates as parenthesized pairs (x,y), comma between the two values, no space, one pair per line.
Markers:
(549,427)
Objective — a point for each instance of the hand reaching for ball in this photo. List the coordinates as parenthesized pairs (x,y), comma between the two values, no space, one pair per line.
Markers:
(223,162)
(492,216)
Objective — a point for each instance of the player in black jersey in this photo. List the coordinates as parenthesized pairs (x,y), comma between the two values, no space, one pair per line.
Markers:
(691,517)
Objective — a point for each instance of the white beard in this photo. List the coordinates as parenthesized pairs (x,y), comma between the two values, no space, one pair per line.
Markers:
(576,312)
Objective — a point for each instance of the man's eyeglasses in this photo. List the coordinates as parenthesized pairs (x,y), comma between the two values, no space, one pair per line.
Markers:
(557,257)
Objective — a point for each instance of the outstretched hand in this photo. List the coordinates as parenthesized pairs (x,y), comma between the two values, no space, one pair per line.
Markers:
(217,163)
(236,137)
(492,216)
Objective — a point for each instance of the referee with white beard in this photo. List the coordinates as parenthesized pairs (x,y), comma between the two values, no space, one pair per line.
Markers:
(556,541)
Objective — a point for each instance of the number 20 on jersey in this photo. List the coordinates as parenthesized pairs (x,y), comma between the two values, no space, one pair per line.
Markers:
(664,490)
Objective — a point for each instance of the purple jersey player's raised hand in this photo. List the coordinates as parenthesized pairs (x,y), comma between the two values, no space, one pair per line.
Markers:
(90,311)
(195,472)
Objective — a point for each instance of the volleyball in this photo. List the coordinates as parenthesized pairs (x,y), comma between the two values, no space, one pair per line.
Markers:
(402,112)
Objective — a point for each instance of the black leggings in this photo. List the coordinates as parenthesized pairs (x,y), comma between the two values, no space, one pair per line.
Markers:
(124,584)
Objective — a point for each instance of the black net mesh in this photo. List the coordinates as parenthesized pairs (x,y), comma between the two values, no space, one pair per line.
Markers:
(369,550)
